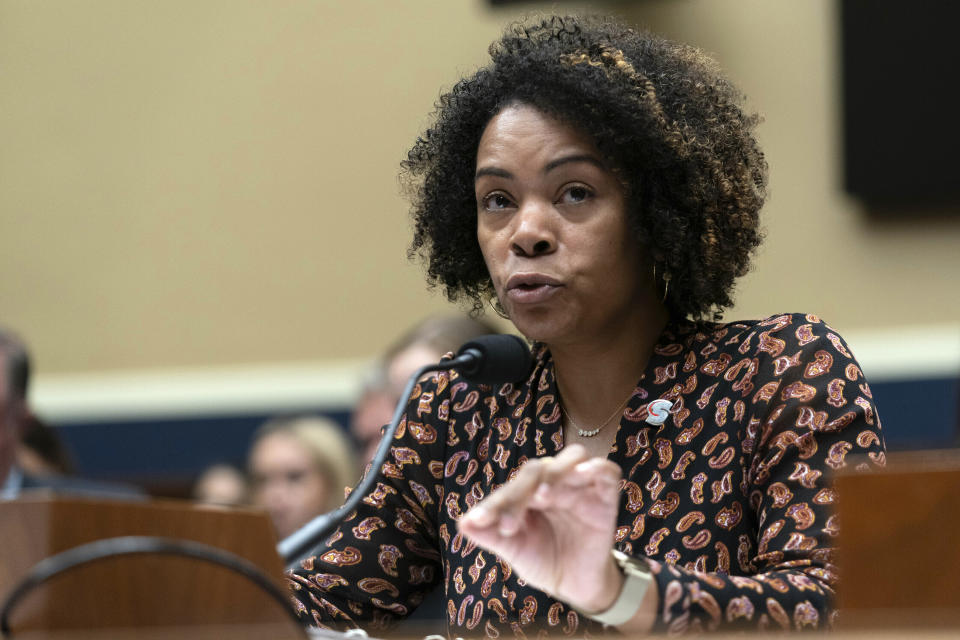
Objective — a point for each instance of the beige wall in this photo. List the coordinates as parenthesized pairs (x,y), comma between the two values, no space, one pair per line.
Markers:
(214,183)
(822,253)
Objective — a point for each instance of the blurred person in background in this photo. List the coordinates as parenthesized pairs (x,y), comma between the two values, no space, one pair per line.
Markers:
(17,422)
(372,411)
(424,343)
(222,485)
(299,468)
(14,379)
(41,451)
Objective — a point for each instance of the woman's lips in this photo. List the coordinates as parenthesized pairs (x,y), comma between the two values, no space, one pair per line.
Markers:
(532,295)
(531,288)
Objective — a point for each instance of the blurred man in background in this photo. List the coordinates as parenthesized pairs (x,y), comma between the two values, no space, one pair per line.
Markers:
(14,377)
(425,343)
(41,451)
(15,418)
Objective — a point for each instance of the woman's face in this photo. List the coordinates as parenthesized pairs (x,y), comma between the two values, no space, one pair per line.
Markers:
(287,482)
(552,226)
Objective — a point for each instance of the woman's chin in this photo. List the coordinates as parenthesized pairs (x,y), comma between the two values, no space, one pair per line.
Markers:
(537,328)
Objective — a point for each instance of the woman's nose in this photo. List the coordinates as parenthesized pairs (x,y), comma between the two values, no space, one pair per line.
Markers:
(533,232)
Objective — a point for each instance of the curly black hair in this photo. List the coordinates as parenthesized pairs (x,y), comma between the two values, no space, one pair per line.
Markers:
(659,111)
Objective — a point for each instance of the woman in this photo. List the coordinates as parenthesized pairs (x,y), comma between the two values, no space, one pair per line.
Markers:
(602,187)
(298,469)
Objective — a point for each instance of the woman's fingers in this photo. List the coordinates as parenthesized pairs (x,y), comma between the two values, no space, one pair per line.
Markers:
(536,485)
(504,507)
(596,475)
(514,498)
(598,471)
(564,462)
(555,517)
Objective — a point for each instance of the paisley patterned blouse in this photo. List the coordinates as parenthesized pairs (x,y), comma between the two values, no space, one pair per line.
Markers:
(730,498)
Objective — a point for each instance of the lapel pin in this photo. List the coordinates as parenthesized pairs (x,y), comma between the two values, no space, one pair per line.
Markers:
(658,411)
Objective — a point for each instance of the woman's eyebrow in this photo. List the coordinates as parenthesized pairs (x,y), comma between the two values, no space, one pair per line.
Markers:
(496,172)
(550,166)
(553,164)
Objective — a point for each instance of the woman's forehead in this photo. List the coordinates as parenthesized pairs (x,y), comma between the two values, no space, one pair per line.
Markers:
(521,126)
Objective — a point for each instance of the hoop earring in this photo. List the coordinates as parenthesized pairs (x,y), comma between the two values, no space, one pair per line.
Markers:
(497,308)
(666,281)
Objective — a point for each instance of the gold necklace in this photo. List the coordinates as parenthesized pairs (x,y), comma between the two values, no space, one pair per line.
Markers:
(589,433)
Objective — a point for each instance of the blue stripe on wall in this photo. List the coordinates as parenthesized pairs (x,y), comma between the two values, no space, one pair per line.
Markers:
(134,450)
(919,414)
(916,414)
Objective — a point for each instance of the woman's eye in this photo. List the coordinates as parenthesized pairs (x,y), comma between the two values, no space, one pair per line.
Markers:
(496,202)
(575,194)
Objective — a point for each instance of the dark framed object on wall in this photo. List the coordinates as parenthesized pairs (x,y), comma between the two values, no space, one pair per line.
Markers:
(901,117)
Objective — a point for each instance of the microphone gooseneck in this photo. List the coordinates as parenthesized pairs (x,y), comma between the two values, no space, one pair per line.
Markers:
(491,359)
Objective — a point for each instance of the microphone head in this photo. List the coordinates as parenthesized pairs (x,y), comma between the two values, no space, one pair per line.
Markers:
(498,358)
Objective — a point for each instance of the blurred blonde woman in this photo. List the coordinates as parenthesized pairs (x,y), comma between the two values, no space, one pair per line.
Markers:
(299,468)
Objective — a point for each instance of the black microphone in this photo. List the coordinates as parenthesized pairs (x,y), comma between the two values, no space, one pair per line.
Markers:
(493,359)
(490,359)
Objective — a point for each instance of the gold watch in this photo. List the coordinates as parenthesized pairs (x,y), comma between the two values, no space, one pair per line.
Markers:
(637,580)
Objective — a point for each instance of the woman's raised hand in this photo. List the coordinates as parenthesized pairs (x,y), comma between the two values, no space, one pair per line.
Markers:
(554,524)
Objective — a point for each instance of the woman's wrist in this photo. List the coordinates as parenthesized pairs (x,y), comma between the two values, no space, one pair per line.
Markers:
(610,587)
(635,598)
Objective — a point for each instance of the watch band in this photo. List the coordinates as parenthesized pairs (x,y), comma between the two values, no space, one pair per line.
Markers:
(638,580)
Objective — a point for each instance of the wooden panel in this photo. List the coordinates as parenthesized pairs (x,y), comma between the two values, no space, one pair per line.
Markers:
(899,543)
(141,590)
